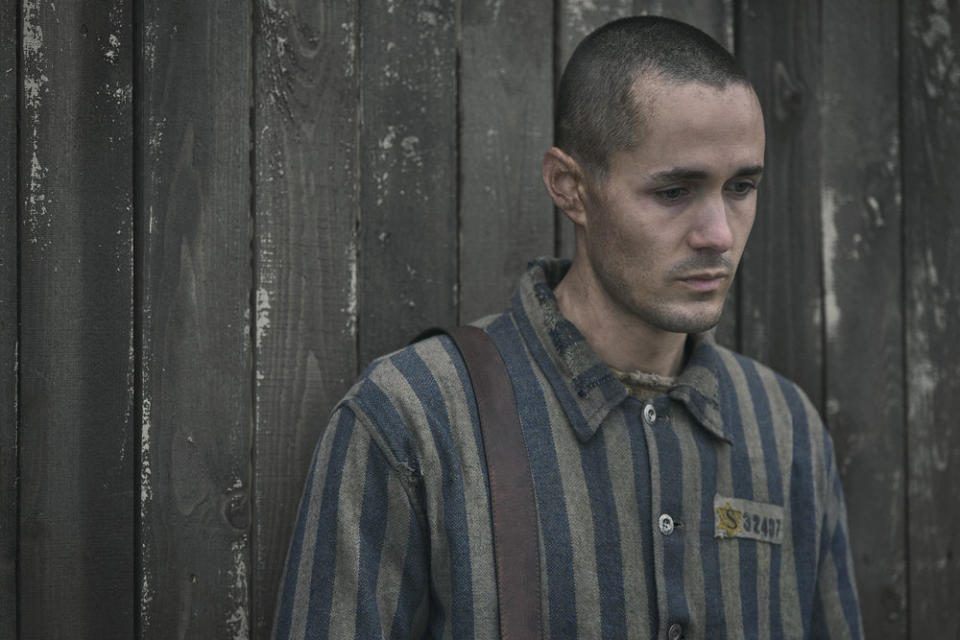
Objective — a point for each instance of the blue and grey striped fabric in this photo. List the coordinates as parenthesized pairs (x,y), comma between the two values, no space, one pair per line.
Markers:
(714,511)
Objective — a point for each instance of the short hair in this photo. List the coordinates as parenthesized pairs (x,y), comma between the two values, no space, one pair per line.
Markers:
(598,112)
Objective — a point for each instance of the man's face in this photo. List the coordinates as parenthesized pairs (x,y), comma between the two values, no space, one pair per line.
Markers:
(665,230)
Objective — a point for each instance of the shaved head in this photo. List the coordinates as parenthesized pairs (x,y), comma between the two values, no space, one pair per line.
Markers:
(601,99)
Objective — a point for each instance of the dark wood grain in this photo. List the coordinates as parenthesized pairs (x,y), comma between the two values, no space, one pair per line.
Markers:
(76,442)
(506,107)
(408,212)
(9,200)
(862,263)
(931,153)
(780,281)
(195,277)
(307,91)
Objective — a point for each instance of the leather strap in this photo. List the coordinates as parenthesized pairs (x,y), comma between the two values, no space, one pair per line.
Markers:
(513,509)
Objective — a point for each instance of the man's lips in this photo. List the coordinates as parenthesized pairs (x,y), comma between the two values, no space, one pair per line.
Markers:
(704,280)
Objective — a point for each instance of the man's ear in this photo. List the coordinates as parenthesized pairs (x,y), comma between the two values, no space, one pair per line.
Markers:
(565,183)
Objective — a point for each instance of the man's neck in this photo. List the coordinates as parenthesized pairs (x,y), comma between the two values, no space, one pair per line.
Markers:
(622,340)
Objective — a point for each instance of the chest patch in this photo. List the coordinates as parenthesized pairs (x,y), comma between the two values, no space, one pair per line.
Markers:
(736,518)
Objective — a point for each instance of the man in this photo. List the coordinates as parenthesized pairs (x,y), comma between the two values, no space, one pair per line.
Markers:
(681,490)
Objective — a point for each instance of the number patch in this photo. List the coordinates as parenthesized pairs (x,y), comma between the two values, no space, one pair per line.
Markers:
(736,518)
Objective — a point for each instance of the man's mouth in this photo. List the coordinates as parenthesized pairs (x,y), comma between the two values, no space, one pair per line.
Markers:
(705,280)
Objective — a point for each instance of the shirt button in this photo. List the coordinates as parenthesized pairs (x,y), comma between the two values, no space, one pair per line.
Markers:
(675,632)
(666,524)
(649,413)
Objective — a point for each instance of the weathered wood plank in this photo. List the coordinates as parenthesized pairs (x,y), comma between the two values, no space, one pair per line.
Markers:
(862,264)
(408,215)
(931,153)
(506,85)
(195,281)
(307,91)
(76,243)
(780,282)
(9,202)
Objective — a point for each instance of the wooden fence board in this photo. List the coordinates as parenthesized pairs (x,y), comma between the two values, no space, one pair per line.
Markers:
(931,153)
(780,282)
(862,263)
(76,453)
(194,236)
(307,91)
(506,98)
(8,318)
(408,220)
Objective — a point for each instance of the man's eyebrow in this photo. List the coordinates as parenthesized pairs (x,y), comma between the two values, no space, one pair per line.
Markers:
(678,173)
(684,173)
(755,170)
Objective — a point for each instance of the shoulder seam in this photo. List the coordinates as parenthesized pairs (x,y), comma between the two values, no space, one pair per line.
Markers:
(410,478)
(355,406)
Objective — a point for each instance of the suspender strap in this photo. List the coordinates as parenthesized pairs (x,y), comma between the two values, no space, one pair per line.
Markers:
(513,510)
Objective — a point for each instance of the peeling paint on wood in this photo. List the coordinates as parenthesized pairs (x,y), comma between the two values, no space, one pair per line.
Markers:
(263,313)
(237,621)
(828,211)
(35,82)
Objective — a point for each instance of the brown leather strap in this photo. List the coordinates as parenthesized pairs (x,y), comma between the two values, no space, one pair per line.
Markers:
(513,510)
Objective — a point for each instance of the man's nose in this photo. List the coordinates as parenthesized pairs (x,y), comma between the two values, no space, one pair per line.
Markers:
(711,228)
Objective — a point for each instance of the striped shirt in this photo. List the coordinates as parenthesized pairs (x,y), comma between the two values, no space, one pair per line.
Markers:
(712,511)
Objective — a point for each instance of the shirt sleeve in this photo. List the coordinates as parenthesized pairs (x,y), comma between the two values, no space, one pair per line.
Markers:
(836,613)
(357,566)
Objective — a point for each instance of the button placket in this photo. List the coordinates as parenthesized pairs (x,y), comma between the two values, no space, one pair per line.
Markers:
(667,504)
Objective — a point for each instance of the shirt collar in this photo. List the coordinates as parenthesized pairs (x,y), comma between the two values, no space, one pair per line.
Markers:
(586,387)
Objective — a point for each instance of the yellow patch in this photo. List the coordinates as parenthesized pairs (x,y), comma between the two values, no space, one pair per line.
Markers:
(728,519)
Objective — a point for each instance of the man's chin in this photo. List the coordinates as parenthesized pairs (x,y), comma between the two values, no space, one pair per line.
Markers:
(690,321)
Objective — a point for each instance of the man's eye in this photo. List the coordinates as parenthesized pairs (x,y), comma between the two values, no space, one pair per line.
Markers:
(671,194)
(742,187)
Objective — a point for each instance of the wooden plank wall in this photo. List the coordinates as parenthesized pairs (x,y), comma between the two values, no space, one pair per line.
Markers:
(211,219)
